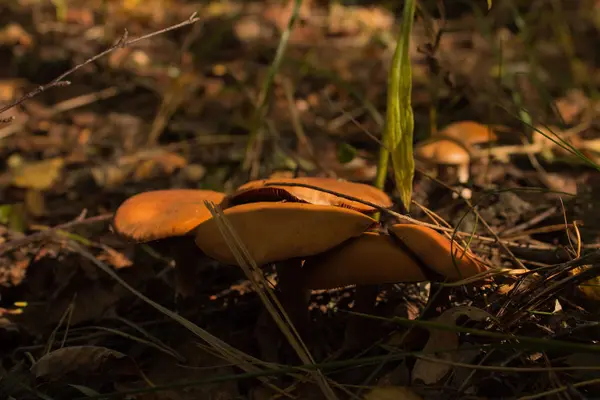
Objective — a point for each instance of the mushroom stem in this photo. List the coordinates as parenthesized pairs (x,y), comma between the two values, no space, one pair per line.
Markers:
(364,303)
(293,294)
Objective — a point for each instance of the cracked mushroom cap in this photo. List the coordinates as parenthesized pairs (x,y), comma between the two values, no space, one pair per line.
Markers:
(443,151)
(275,231)
(160,214)
(435,251)
(257,191)
(369,259)
(469,132)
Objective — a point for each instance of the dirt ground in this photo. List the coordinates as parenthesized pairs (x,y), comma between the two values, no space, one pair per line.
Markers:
(87,314)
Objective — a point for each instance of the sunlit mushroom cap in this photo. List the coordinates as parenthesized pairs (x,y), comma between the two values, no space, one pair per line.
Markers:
(163,213)
(443,151)
(368,259)
(469,132)
(276,231)
(435,251)
(256,191)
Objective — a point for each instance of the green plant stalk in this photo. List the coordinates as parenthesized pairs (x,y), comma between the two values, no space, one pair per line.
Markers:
(399,124)
(260,112)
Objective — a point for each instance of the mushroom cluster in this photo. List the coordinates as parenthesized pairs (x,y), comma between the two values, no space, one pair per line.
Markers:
(317,240)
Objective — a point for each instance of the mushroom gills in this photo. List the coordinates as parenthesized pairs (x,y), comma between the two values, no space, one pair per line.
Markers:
(267,190)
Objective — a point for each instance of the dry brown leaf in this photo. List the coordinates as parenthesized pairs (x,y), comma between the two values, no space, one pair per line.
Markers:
(115,258)
(392,393)
(79,359)
(110,176)
(159,163)
(38,175)
(430,372)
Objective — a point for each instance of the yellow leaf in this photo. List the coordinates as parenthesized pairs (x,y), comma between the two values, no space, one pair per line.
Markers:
(38,175)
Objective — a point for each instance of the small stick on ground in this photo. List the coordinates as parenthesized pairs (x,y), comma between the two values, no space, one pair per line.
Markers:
(121,43)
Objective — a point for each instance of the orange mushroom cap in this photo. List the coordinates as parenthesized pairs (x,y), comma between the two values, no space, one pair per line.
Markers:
(163,213)
(281,231)
(368,259)
(469,132)
(258,191)
(443,151)
(435,251)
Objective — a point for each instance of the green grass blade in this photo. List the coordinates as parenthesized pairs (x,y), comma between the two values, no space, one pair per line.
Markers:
(399,125)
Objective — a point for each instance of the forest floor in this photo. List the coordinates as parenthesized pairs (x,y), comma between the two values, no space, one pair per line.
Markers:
(86,314)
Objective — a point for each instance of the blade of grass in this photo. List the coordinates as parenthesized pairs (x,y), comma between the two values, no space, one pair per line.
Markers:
(256,137)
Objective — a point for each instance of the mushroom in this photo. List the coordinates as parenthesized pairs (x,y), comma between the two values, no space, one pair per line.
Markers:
(437,252)
(453,145)
(445,152)
(281,231)
(161,214)
(374,258)
(259,191)
(412,253)
(369,259)
(470,133)
(284,234)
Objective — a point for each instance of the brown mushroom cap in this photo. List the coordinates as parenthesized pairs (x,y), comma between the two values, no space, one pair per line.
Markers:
(257,191)
(281,231)
(368,259)
(163,213)
(469,132)
(434,250)
(443,151)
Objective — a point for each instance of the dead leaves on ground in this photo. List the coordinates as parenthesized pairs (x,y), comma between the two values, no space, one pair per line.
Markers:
(444,345)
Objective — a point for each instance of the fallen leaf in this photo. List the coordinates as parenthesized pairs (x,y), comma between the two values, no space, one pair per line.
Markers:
(109,176)
(431,372)
(67,360)
(392,393)
(583,360)
(115,258)
(159,162)
(38,175)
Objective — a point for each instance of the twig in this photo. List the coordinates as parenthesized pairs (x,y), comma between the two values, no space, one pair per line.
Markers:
(121,43)
(66,105)
(79,221)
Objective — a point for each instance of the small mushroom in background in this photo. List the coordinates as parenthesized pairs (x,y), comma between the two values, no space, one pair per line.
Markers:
(470,133)
(446,154)
(453,145)
(163,217)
